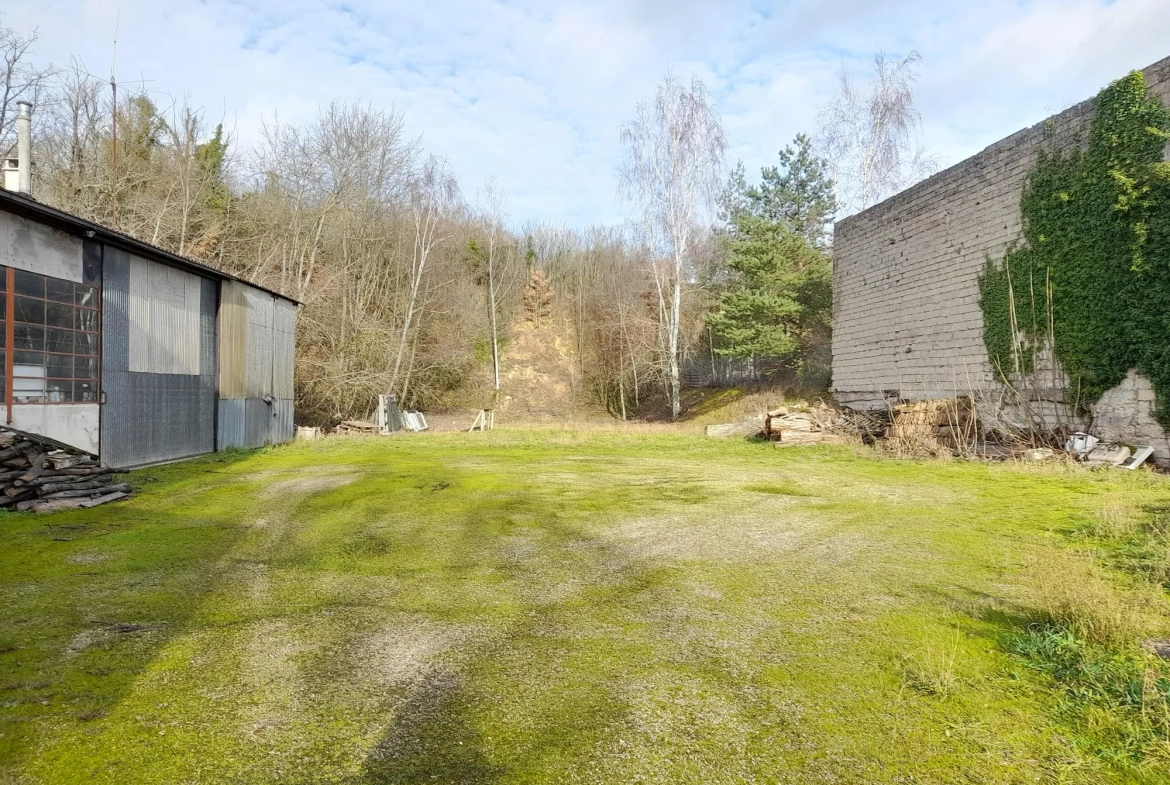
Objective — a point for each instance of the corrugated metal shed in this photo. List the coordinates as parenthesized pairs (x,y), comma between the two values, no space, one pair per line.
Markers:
(192,359)
(152,415)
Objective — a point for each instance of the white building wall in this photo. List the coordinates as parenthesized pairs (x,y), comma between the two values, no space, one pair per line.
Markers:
(75,424)
(28,245)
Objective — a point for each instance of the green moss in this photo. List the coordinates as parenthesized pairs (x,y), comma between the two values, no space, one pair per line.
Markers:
(542,606)
(1093,274)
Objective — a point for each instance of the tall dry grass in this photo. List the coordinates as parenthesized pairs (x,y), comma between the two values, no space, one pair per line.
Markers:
(1072,590)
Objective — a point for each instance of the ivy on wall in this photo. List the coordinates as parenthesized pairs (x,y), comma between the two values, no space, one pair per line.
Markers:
(1093,272)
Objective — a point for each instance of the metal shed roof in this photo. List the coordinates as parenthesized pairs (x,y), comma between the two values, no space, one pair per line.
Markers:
(28,207)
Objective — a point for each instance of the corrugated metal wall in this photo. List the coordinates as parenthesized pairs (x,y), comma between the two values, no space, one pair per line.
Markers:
(150,416)
(164,319)
(257,346)
(233,332)
(284,349)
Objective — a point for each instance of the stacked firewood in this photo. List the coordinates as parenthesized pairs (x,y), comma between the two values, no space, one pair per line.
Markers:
(936,427)
(43,477)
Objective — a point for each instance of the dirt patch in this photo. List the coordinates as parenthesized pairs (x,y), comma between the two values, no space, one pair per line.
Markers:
(734,539)
(402,653)
(86,557)
(82,641)
(306,485)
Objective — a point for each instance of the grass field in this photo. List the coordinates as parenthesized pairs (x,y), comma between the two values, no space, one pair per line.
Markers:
(595,607)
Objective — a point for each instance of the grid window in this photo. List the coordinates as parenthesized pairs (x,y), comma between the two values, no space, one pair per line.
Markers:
(54,327)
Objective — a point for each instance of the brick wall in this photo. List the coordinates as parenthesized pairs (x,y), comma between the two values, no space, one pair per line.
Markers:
(906,314)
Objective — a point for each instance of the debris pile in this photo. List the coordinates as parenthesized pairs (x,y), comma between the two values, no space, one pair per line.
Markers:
(1095,452)
(45,476)
(404,421)
(357,427)
(414,421)
(935,427)
(798,425)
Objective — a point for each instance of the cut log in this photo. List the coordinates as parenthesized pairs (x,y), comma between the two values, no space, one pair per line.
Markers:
(8,501)
(78,493)
(72,475)
(42,507)
(14,450)
(795,438)
(53,487)
(69,461)
(83,471)
(38,466)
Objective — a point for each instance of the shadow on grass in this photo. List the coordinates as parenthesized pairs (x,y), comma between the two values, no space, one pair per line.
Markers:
(565,683)
(433,741)
(79,626)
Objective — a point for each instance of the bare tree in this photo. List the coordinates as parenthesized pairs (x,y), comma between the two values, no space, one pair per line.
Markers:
(496,260)
(22,80)
(673,171)
(434,196)
(870,133)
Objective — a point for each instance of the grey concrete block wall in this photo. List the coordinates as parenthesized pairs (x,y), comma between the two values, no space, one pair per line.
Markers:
(906,313)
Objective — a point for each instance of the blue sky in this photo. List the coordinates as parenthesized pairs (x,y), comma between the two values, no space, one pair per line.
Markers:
(532,93)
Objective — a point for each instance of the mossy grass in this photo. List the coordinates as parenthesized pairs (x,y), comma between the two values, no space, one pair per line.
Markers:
(548,606)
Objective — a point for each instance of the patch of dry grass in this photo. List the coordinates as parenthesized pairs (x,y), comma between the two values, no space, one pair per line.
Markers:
(1073,591)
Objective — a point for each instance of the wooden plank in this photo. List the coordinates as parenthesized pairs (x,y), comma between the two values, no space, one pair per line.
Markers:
(109,497)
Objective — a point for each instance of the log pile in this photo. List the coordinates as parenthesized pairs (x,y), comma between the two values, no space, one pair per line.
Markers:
(936,427)
(42,477)
(802,425)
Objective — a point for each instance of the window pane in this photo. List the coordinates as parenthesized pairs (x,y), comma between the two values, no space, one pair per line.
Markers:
(30,283)
(84,392)
(85,367)
(58,315)
(30,311)
(58,392)
(87,344)
(3,304)
(27,358)
(61,291)
(87,320)
(28,390)
(59,366)
(3,279)
(28,337)
(59,341)
(87,296)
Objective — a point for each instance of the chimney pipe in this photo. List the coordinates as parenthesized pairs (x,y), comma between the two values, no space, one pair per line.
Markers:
(24,147)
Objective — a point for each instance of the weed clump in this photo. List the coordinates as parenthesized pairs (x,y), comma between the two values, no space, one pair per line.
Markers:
(1086,636)
(1073,593)
(1118,699)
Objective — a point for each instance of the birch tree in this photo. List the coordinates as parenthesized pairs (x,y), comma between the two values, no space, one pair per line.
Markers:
(870,133)
(433,197)
(496,260)
(673,172)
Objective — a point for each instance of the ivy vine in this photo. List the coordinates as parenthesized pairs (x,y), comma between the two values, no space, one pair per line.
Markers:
(1093,270)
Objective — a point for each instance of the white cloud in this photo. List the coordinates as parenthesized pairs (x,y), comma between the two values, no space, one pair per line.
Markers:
(533,92)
